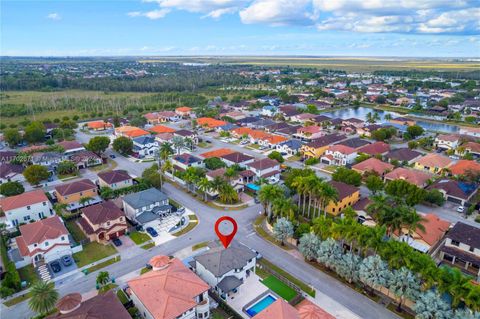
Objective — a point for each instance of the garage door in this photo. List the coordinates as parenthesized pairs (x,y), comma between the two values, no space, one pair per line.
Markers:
(454,200)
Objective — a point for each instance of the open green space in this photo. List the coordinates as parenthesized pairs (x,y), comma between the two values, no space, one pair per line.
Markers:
(139,237)
(185,230)
(92,252)
(28,274)
(18,299)
(77,234)
(107,287)
(279,287)
(300,284)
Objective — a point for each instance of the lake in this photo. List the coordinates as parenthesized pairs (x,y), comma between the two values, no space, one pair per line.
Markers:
(362,111)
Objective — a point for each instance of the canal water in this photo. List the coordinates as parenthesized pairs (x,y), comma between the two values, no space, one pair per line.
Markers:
(361,113)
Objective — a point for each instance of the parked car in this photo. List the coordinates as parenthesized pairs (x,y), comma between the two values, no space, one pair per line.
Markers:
(117,242)
(460,209)
(112,156)
(56,266)
(257,201)
(67,260)
(259,256)
(244,142)
(151,231)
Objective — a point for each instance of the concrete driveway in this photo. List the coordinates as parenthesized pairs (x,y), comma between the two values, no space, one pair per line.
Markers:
(128,249)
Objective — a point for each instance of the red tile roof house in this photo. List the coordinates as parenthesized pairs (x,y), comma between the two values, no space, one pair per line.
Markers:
(11,173)
(472,148)
(455,191)
(161,117)
(412,176)
(237,158)
(26,207)
(375,148)
(170,291)
(463,167)
(71,147)
(423,241)
(115,179)
(266,168)
(184,111)
(309,132)
(43,241)
(373,165)
(103,222)
(281,309)
(86,159)
(338,154)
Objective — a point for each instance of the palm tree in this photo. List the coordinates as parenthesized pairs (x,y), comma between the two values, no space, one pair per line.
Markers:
(327,193)
(329,252)
(167,166)
(227,194)
(188,143)
(178,143)
(284,207)
(267,195)
(388,117)
(103,278)
(300,185)
(322,227)
(230,173)
(165,151)
(85,200)
(308,246)
(44,296)
(452,280)
(282,230)
(348,266)
(430,305)
(204,186)
(413,221)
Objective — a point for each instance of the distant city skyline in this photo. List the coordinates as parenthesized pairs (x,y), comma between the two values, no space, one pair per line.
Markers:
(370,28)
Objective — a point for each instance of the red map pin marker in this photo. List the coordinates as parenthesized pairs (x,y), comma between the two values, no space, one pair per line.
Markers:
(226,239)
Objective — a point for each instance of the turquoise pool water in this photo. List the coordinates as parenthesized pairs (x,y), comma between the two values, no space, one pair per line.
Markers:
(253,186)
(261,305)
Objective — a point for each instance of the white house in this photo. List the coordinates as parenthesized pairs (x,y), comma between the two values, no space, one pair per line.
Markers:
(26,207)
(186,160)
(145,146)
(447,141)
(225,270)
(43,241)
(266,168)
(340,155)
(11,173)
(290,147)
(269,110)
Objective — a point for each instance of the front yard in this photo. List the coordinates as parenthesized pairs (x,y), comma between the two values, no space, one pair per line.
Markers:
(139,238)
(77,234)
(93,252)
(28,274)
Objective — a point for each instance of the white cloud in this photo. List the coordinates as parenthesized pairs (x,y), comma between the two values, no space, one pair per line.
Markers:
(152,15)
(369,16)
(54,16)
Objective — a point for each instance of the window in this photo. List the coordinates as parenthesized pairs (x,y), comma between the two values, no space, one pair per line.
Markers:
(455,243)
(81,194)
(28,207)
(44,203)
(471,249)
(62,238)
(26,217)
(46,243)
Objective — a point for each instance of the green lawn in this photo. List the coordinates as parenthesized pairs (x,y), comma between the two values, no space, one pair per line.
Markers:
(148,246)
(122,297)
(103,264)
(75,230)
(92,252)
(28,274)
(279,287)
(200,245)
(107,287)
(188,228)
(18,299)
(219,314)
(139,238)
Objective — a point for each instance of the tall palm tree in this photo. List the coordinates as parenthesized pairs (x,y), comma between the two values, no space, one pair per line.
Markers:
(44,296)
(167,167)
(178,143)
(300,186)
(230,173)
(327,194)
(413,221)
(165,151)
(267,195)
(217,183)
(204,186)
(227,194)
(322,227)
(103,278)
(284,207)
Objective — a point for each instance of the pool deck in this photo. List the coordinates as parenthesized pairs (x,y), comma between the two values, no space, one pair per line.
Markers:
(249,290)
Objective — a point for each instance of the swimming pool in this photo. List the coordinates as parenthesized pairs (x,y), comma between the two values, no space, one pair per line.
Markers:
(260,305)
(253,187)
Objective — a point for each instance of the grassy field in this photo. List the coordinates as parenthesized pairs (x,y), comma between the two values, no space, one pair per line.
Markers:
(139,238)
(28,274)
(279,287)
(92,252)
(18,299)
(75,230)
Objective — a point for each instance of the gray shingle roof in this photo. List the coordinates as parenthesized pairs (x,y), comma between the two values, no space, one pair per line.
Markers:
(229,283)
(219,261)
(145,198)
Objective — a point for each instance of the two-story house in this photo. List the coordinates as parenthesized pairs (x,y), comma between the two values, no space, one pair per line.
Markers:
(103,221)
(290,147)
(26,207)
(317,147)
(461,248)
(145,146)
(170,291)
(115,179)
(309,133)
(184,111)
(187,135)
(433,163)
(183,161)
(237,182)
(43,241)
(77,194)
(447,141)
(266,168)
(225,270)
(338,154)
(71,147)
(146,206)
(11,173)
(237,158)
(348,195)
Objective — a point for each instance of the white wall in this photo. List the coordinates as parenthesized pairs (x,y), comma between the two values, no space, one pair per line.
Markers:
(19,214)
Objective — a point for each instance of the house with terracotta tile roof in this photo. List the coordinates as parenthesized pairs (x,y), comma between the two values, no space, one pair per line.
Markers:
(309,310)
(265,168)
(317,147)
(373,165)
(237,158)
(461,248)
(425,240)
(241,131)
(115,179)
(412,176)
(463,167)
(99,125)
(309,133)
(210,123)
(280,309)
(377,148)
(447,141)
(216,153)
(403,155)
(163,138)
(43,241)
(158,129)
(101,306)
(71,194)
(71,147)
(26,207)
(170,291)
(103,222)
(161,117)
(472,148)
(11,173)
(131,131)
(348,195)
(433,162)
(272,140)
(338,154)
(184,111)
(456,192)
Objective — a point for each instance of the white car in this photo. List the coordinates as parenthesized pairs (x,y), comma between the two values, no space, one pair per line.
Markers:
(460,209)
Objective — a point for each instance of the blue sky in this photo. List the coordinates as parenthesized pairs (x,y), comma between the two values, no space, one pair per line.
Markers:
(430,28)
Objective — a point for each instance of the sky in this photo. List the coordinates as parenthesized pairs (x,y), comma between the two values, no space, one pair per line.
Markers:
(400,28)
